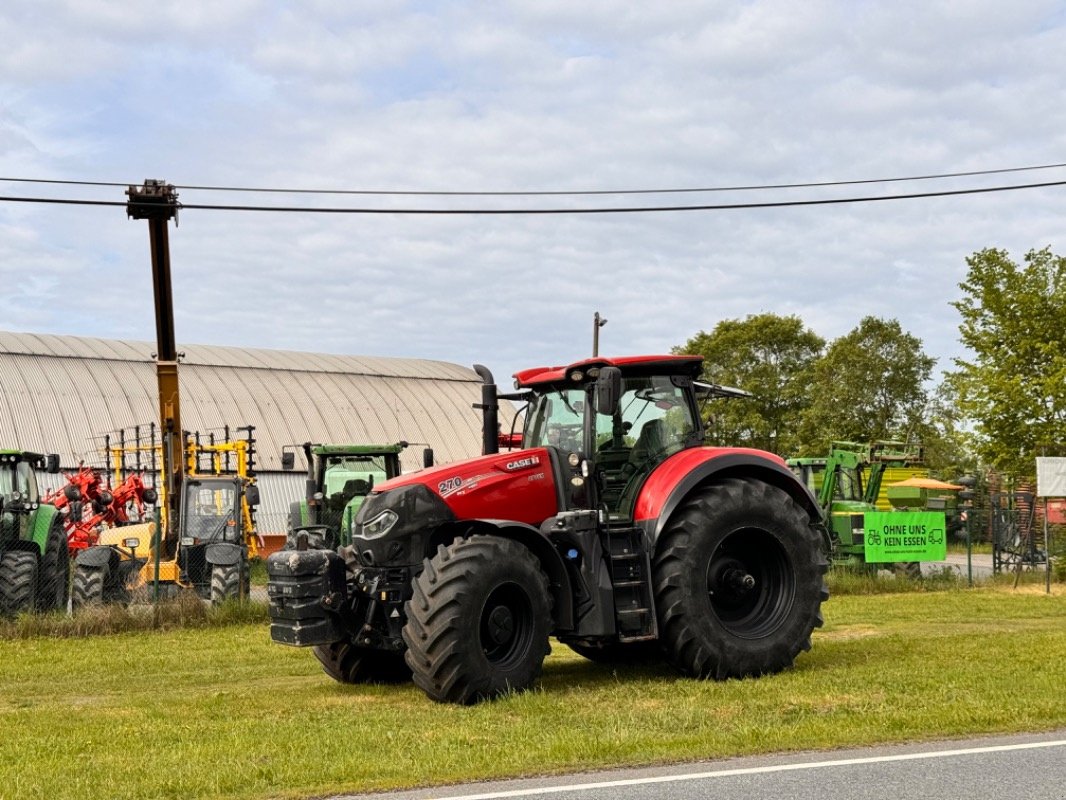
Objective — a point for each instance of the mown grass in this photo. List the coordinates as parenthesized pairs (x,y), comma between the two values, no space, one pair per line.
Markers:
(222,712)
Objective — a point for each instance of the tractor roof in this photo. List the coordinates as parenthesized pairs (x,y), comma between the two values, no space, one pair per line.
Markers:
(662,365)
(357,449)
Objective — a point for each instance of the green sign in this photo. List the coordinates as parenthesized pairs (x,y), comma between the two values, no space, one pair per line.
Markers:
(904,536)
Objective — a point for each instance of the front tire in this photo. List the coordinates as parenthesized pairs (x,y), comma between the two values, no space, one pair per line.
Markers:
(229,582)
(478,623)
(738,580)
(349,663)
(18,582)
(88,586)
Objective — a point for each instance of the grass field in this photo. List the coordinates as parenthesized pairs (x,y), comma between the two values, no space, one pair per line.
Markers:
(219,711)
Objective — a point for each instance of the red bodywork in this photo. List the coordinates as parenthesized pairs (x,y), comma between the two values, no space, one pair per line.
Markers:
(518,485)
(661,483)
(84,531)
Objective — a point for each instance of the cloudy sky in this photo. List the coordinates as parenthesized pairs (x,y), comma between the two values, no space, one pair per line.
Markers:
(541,95)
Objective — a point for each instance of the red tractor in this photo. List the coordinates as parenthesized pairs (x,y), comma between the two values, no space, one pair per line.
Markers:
(615,530)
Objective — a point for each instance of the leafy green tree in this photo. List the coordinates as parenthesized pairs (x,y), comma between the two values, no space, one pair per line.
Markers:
(1014,384)
(868,385)
(769,356)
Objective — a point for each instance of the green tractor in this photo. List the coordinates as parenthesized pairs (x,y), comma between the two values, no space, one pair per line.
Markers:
(34,560)
(339,478)
(848,483)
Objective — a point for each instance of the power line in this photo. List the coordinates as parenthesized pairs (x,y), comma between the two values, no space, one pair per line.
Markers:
(549,211)
(557,193)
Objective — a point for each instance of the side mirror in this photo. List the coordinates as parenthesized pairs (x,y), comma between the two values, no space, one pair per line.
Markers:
(427,457)
(51,463)
(251,494)
(608,390)
(288,460)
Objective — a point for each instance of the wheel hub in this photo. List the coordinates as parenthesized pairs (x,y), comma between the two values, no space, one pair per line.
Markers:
(500,625)
(730,578)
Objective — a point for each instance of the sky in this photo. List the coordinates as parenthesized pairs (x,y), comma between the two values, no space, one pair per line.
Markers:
(544,96)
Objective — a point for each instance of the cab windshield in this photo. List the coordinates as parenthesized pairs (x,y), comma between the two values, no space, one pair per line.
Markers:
(353,474)
(652,420)
(211,511)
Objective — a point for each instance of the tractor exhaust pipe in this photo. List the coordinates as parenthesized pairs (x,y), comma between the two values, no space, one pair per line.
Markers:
(490,425)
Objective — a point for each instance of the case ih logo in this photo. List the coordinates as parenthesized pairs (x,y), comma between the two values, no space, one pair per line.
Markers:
(522,463)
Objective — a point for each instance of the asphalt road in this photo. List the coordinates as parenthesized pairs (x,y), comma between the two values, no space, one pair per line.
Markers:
(1028,766)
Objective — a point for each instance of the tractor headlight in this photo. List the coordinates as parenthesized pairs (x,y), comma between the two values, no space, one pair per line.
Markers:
(378,526)
(132,543)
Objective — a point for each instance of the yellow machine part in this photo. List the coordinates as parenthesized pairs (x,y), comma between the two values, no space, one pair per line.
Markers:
(142,532)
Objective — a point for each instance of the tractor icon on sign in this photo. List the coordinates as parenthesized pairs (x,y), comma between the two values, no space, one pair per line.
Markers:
(873,538)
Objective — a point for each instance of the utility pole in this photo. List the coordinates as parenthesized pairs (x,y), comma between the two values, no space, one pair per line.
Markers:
(157,202)
(597,323)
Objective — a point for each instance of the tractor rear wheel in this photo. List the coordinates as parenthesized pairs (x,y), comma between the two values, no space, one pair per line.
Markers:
(478,623)
(739,581)
(53,587)
(18,582)
(88,586)
(349,663)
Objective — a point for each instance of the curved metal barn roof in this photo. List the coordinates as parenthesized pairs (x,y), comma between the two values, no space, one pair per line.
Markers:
(62,393)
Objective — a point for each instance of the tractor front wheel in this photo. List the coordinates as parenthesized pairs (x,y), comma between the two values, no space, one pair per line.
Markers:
(53,587)
(229,582)
(478,623)
(349,663)
(18,582)
(738,581)
(88,586)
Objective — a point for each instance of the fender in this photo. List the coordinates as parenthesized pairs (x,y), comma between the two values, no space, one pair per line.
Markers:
(671,481)
(41,524)
(95,556)
(223,554)
(550,561)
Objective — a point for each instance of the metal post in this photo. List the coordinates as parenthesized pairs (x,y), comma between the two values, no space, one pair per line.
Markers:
(597,323)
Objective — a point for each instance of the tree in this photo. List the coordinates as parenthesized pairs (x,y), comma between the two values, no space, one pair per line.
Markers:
(869,385)
(769,356)
(1014,385)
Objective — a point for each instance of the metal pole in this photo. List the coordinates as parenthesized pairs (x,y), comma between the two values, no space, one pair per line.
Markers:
(597,323)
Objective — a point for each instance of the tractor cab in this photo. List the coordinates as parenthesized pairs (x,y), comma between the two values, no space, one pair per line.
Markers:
(620,422)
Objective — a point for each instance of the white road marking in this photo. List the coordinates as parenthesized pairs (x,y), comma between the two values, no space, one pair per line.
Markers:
(721,773)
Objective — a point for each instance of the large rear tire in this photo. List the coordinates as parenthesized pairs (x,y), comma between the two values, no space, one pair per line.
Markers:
(18,582)
(478,623)
(348,663)
(53,587)
(739,581)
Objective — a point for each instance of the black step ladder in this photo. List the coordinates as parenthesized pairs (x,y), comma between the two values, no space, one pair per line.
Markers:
(630,564)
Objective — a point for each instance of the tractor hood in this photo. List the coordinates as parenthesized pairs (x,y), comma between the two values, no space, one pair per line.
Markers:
(517,485)
(397,520)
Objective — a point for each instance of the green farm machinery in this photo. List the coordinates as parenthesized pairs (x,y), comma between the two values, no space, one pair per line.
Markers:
(34,560)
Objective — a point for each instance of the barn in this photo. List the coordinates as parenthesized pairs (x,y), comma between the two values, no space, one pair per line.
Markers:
(64,394)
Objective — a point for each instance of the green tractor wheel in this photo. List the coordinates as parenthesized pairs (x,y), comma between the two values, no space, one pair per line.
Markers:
(18,582)
(53,586)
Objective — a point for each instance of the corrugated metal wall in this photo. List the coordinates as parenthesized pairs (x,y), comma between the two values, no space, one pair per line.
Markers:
(61,393)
